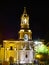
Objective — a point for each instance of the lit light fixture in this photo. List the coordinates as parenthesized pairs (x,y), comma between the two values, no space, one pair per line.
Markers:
(15,49)
(7,48)
(37,42)
(29,30)
(14,59)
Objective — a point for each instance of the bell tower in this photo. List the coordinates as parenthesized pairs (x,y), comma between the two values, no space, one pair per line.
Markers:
(25,33)
(24,19)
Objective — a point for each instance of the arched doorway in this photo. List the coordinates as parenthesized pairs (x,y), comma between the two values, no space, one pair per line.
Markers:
(11,60)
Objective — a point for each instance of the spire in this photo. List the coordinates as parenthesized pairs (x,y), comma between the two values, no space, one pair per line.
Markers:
(24,19)
(24,10)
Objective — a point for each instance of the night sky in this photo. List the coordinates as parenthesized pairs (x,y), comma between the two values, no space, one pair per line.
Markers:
(11,11)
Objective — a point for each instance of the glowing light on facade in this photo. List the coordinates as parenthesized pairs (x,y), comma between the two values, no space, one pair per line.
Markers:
(25,21)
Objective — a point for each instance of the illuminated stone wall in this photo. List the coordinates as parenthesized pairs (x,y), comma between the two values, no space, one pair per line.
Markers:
(2,54)
(11,50)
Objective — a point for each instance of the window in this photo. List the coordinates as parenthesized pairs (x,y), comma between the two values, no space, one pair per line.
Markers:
(11,48)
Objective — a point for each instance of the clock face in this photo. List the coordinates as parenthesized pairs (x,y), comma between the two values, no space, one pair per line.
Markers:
(25,37)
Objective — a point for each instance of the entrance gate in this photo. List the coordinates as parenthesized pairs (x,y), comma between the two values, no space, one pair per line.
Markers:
(11,60)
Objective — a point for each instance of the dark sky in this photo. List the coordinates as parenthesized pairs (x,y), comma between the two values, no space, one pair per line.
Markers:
(10,13)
